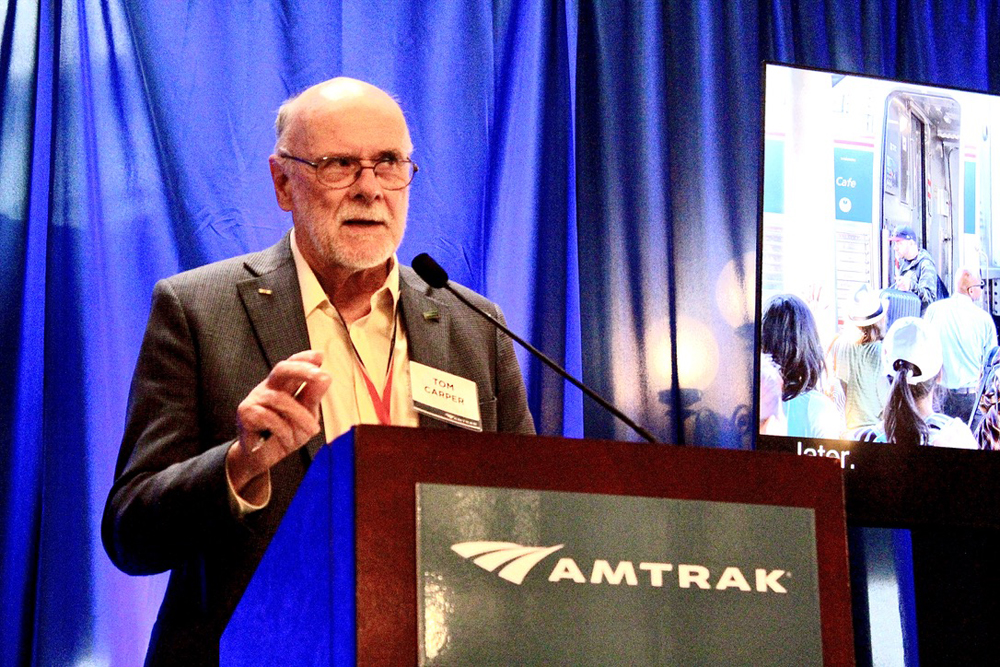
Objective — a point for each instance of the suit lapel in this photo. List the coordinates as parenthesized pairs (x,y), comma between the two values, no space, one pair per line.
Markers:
(427,324)
(274,306)
(273,303)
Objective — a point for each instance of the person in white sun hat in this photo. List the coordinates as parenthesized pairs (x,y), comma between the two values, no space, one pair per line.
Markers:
(857,359)
(911,356)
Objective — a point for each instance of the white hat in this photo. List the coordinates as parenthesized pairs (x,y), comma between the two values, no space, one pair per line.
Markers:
(866,307)
(916,341)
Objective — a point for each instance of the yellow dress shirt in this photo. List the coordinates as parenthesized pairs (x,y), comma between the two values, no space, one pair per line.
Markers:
(347,402)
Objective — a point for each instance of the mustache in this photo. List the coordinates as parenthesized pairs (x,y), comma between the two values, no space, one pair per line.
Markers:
(374,213)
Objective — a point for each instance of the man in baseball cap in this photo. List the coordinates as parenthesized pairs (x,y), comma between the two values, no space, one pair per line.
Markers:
(916,270)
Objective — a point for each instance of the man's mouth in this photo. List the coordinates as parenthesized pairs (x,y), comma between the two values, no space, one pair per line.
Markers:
(363,222)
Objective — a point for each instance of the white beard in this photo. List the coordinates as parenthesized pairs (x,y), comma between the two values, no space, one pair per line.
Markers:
(352,247)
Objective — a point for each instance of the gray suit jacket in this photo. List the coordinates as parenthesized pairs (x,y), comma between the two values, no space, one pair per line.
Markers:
(212,336)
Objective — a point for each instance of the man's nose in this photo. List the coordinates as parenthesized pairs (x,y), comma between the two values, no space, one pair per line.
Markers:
(367,186)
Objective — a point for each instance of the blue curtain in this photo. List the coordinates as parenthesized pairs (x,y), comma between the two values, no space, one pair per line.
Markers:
(592,166)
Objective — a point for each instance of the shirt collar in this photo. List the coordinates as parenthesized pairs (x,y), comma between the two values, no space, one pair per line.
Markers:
(314,297)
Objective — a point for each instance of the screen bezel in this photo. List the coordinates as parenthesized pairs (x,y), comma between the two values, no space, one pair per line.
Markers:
(886,485)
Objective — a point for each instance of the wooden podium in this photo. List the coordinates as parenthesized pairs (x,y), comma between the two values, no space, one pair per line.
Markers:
(339,583)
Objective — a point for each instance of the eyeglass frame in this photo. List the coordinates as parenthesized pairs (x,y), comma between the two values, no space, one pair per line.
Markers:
(323,160)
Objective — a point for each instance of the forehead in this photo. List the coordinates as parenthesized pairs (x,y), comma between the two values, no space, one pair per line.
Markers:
(362,126)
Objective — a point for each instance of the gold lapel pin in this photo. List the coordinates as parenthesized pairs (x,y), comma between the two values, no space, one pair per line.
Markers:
(431,315)
(264,290)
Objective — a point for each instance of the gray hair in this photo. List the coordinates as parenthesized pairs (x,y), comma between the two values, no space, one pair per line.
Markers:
(281,120)
(966,277)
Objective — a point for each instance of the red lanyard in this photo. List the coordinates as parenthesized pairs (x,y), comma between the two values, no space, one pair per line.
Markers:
(383,403)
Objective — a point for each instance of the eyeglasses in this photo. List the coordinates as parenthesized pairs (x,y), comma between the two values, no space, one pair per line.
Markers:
(339,172)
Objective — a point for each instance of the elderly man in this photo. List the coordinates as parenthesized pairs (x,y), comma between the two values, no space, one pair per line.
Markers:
(249,365)
(967,335)
(917,272)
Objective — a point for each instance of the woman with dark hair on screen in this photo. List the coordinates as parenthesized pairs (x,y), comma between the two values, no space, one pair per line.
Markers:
(789,335)
(911,356)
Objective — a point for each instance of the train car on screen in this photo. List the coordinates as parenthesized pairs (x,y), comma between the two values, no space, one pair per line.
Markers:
(848,159)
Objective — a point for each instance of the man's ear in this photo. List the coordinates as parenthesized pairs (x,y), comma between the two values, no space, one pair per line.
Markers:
(282,185)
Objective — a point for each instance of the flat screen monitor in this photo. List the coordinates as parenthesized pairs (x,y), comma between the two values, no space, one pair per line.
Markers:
(864,179)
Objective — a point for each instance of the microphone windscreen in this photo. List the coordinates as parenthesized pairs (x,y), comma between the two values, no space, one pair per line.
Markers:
(429,270)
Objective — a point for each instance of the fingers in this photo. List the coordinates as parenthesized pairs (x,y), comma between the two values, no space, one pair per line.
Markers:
(289,396)
(289,374)
(284,407)
(309,393)
(276,416)
(300,377)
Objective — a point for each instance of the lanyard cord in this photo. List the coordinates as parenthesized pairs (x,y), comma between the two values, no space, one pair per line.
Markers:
(383,403)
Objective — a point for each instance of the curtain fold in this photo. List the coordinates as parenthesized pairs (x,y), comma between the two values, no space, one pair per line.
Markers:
(528,207)
(26,60)
(591,166)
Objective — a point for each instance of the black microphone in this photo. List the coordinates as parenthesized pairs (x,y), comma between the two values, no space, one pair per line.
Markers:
(435,276)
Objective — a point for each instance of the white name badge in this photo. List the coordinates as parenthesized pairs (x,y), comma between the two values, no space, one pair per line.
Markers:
(444,396)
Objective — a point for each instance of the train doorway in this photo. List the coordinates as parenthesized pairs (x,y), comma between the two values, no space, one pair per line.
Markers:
(920,164)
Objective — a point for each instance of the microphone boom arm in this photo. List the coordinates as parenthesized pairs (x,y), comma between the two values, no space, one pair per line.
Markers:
(554,366)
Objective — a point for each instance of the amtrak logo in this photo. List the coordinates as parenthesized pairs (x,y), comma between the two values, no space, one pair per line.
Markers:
(517,561)
(491,555)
